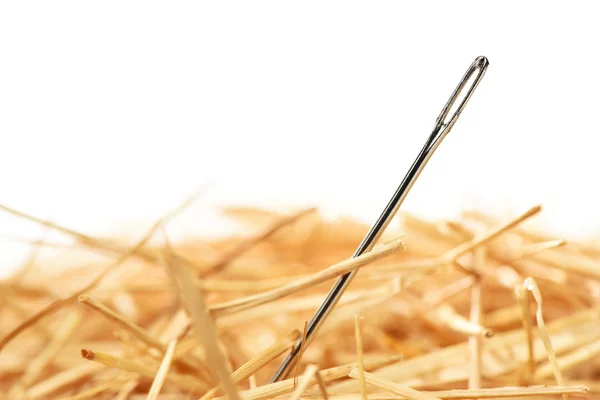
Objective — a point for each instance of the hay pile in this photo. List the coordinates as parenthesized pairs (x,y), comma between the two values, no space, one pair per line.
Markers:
(474,308)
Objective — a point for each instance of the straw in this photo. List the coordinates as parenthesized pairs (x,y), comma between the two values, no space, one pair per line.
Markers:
(477,307)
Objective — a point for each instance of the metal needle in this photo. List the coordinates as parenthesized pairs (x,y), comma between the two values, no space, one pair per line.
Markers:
(443,125)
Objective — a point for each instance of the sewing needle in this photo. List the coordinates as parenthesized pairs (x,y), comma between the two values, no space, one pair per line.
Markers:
(443,125)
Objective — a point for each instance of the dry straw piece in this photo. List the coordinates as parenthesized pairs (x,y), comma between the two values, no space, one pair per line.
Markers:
(470,308)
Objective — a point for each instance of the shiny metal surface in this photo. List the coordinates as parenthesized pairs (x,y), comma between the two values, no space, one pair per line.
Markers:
(443,125)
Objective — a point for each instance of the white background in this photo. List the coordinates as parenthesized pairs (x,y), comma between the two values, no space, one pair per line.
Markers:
(112,112)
